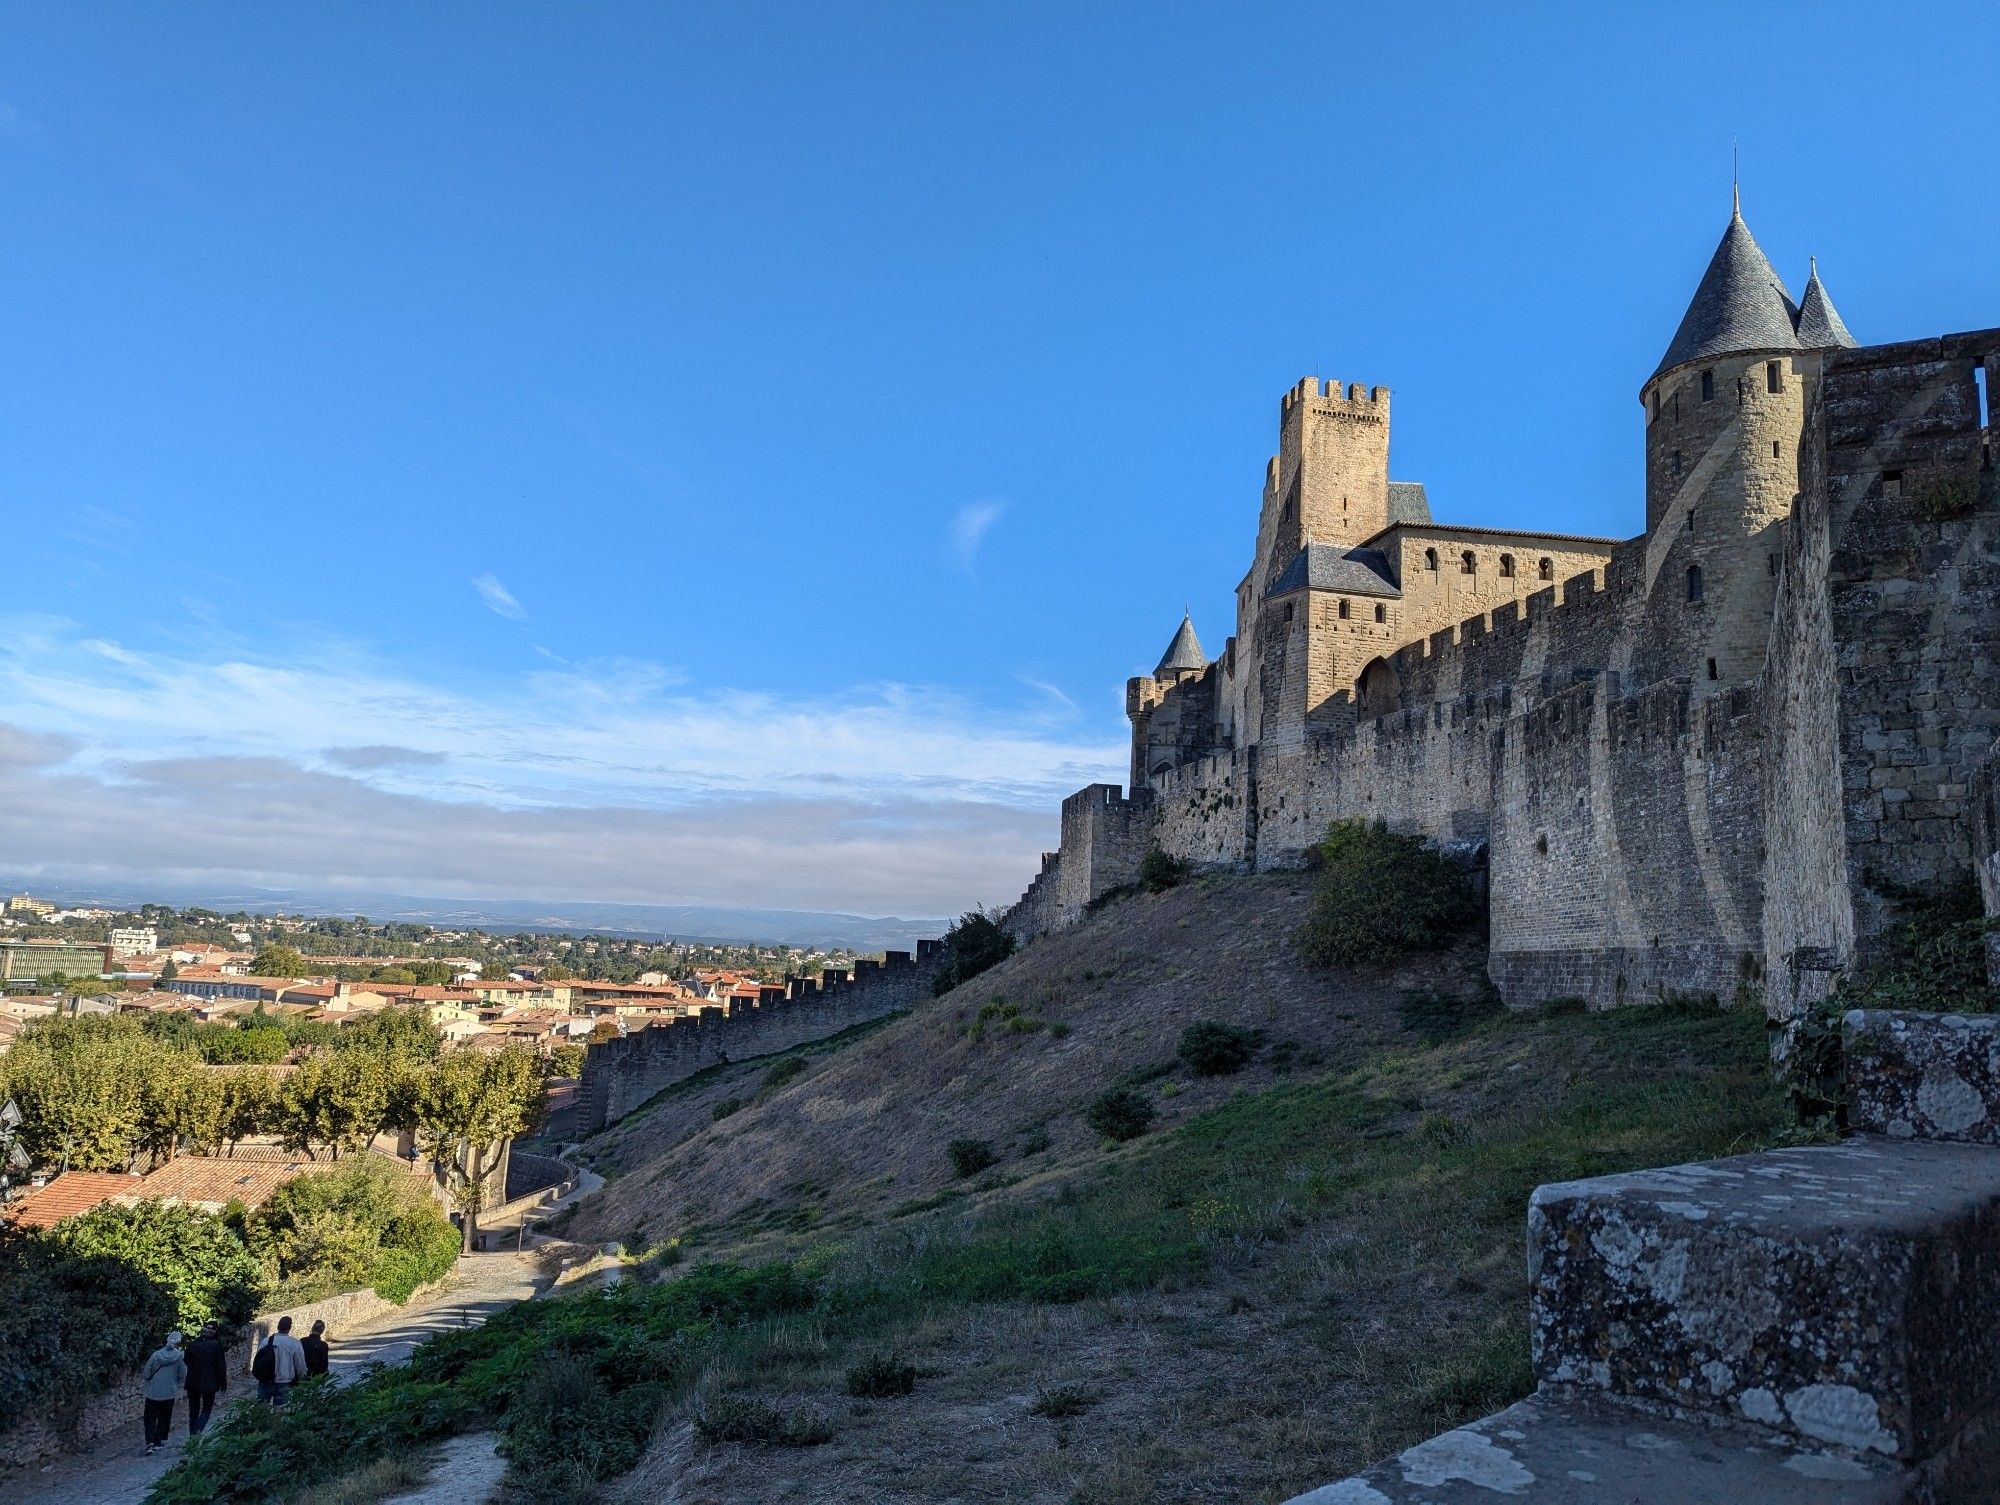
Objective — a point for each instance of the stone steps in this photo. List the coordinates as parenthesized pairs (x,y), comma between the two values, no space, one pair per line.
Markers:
(1811,1324)
(1582,1451)
(1845,1294)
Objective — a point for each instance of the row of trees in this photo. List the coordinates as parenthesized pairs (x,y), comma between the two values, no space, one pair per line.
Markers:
(107,1093)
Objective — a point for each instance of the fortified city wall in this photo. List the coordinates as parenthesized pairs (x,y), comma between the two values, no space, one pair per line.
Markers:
(619,1075)
(1652,833)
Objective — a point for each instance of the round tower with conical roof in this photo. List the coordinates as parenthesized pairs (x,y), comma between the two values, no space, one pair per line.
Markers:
(1725,411)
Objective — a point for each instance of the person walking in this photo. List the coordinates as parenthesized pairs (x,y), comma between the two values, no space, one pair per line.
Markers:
(280,1364)
(161,1377)
(314,1345)
(207,1375)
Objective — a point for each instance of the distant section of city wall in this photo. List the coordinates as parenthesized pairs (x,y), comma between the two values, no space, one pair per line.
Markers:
(619,1075)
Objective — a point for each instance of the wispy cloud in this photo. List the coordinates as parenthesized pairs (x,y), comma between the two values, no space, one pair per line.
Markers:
(498,598)
(969,528)
(1054,692)
(608,779)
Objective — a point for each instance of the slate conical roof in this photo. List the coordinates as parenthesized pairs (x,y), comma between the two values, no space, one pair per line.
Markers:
(1183,653)
(1740,305)
(1820,326)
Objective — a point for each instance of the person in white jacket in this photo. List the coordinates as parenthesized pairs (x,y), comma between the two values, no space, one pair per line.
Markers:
(161,1377)
(287,1364)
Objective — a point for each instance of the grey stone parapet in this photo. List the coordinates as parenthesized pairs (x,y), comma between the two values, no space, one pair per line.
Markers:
(1924,1076)
(1582,1452)
(1840,1294)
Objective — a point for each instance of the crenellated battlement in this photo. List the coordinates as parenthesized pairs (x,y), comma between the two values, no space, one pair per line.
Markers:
(1333,395)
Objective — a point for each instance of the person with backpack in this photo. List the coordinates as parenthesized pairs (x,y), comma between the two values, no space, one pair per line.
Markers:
(207,1375)
(161,1377)
(280,1364)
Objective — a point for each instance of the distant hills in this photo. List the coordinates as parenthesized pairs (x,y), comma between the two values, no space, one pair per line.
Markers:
(678,922)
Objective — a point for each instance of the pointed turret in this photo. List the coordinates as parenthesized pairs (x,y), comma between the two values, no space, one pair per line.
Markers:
(1741,304)
(1820,326)
(1184,655)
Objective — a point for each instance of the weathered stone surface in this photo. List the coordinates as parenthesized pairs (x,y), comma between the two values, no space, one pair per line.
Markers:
(1845,1294)
(1577,1451)
(1924,1076)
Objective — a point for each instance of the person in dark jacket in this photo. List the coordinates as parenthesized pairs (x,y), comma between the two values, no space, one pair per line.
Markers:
(315,1347)
(207,1375)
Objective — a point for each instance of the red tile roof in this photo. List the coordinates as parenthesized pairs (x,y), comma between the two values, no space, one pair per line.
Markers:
(67,1195)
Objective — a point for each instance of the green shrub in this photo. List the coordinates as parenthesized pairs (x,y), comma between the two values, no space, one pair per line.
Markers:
(71,1324)
(735,1418)
(1380,895)
(881,1377)
(1119,1114)
(193,1256)
(1158,871)
(971,1156)
(365,1224)
(1034,1141)
(1213,1049)
(971,946)
(786,1070)
(724,1108)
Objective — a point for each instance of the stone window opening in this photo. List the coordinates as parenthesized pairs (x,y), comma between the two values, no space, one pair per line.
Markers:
(1542,844)
(1677,465)
(1546,570)
(1430,559)
(1708,386)
(1381,613)
(1774,449)
(1713,673)
(1343,611)
(1771,563)
(1774,376)
(1506,566)
(1694,589)
(1892,483)
(1288,613)
(1656,404)
(1690,519)
(1467,565)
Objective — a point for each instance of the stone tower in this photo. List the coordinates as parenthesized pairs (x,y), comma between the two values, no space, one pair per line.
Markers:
(1724,412)
(1164,733)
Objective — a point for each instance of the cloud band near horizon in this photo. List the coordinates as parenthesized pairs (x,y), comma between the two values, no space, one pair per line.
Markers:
(611,782)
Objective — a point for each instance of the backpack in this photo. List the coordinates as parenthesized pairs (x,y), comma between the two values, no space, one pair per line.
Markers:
(264,1367)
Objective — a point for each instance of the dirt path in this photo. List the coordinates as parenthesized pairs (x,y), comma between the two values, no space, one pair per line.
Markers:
(118,1472)
(467,1472)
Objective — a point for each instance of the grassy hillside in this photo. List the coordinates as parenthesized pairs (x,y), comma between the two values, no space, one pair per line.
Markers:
(1300,1267)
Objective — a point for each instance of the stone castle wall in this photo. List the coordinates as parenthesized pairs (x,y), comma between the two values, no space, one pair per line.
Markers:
(619,1075)
(1656,825)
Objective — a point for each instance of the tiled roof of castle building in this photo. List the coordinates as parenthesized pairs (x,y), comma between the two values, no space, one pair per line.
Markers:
(1183,653)
(68,1194)
(1329,567)
(1408,503)
(1740,305)
(1820,326)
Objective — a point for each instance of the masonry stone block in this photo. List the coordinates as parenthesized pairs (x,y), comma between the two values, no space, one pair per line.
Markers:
(1925,1076)
(1846,1295)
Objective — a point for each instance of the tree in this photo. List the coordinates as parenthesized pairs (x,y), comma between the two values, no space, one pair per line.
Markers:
(469,1107)
(81,1084)
(336,1100)
(169,971)
(399,1031)
(498,971)
(975,943)
(556,972)
(193,1255)
(275,960)
(566,1060)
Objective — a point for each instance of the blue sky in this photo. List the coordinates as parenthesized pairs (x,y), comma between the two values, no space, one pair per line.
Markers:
(735,454)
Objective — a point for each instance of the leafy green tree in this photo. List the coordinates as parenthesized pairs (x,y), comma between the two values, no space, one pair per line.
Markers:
(566,1060)
(81,1084)
(975,943)
(430,974)
(276,960)
(193,1255)
(399,1031)
(366,1223)
(469,1106)
(1381,895)
(556,972)
(169,970)
(496,971)
(336,1100)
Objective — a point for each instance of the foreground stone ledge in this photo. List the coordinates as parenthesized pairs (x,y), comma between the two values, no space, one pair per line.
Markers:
(1579,1451)
(1924,1076)
(1843,1294)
